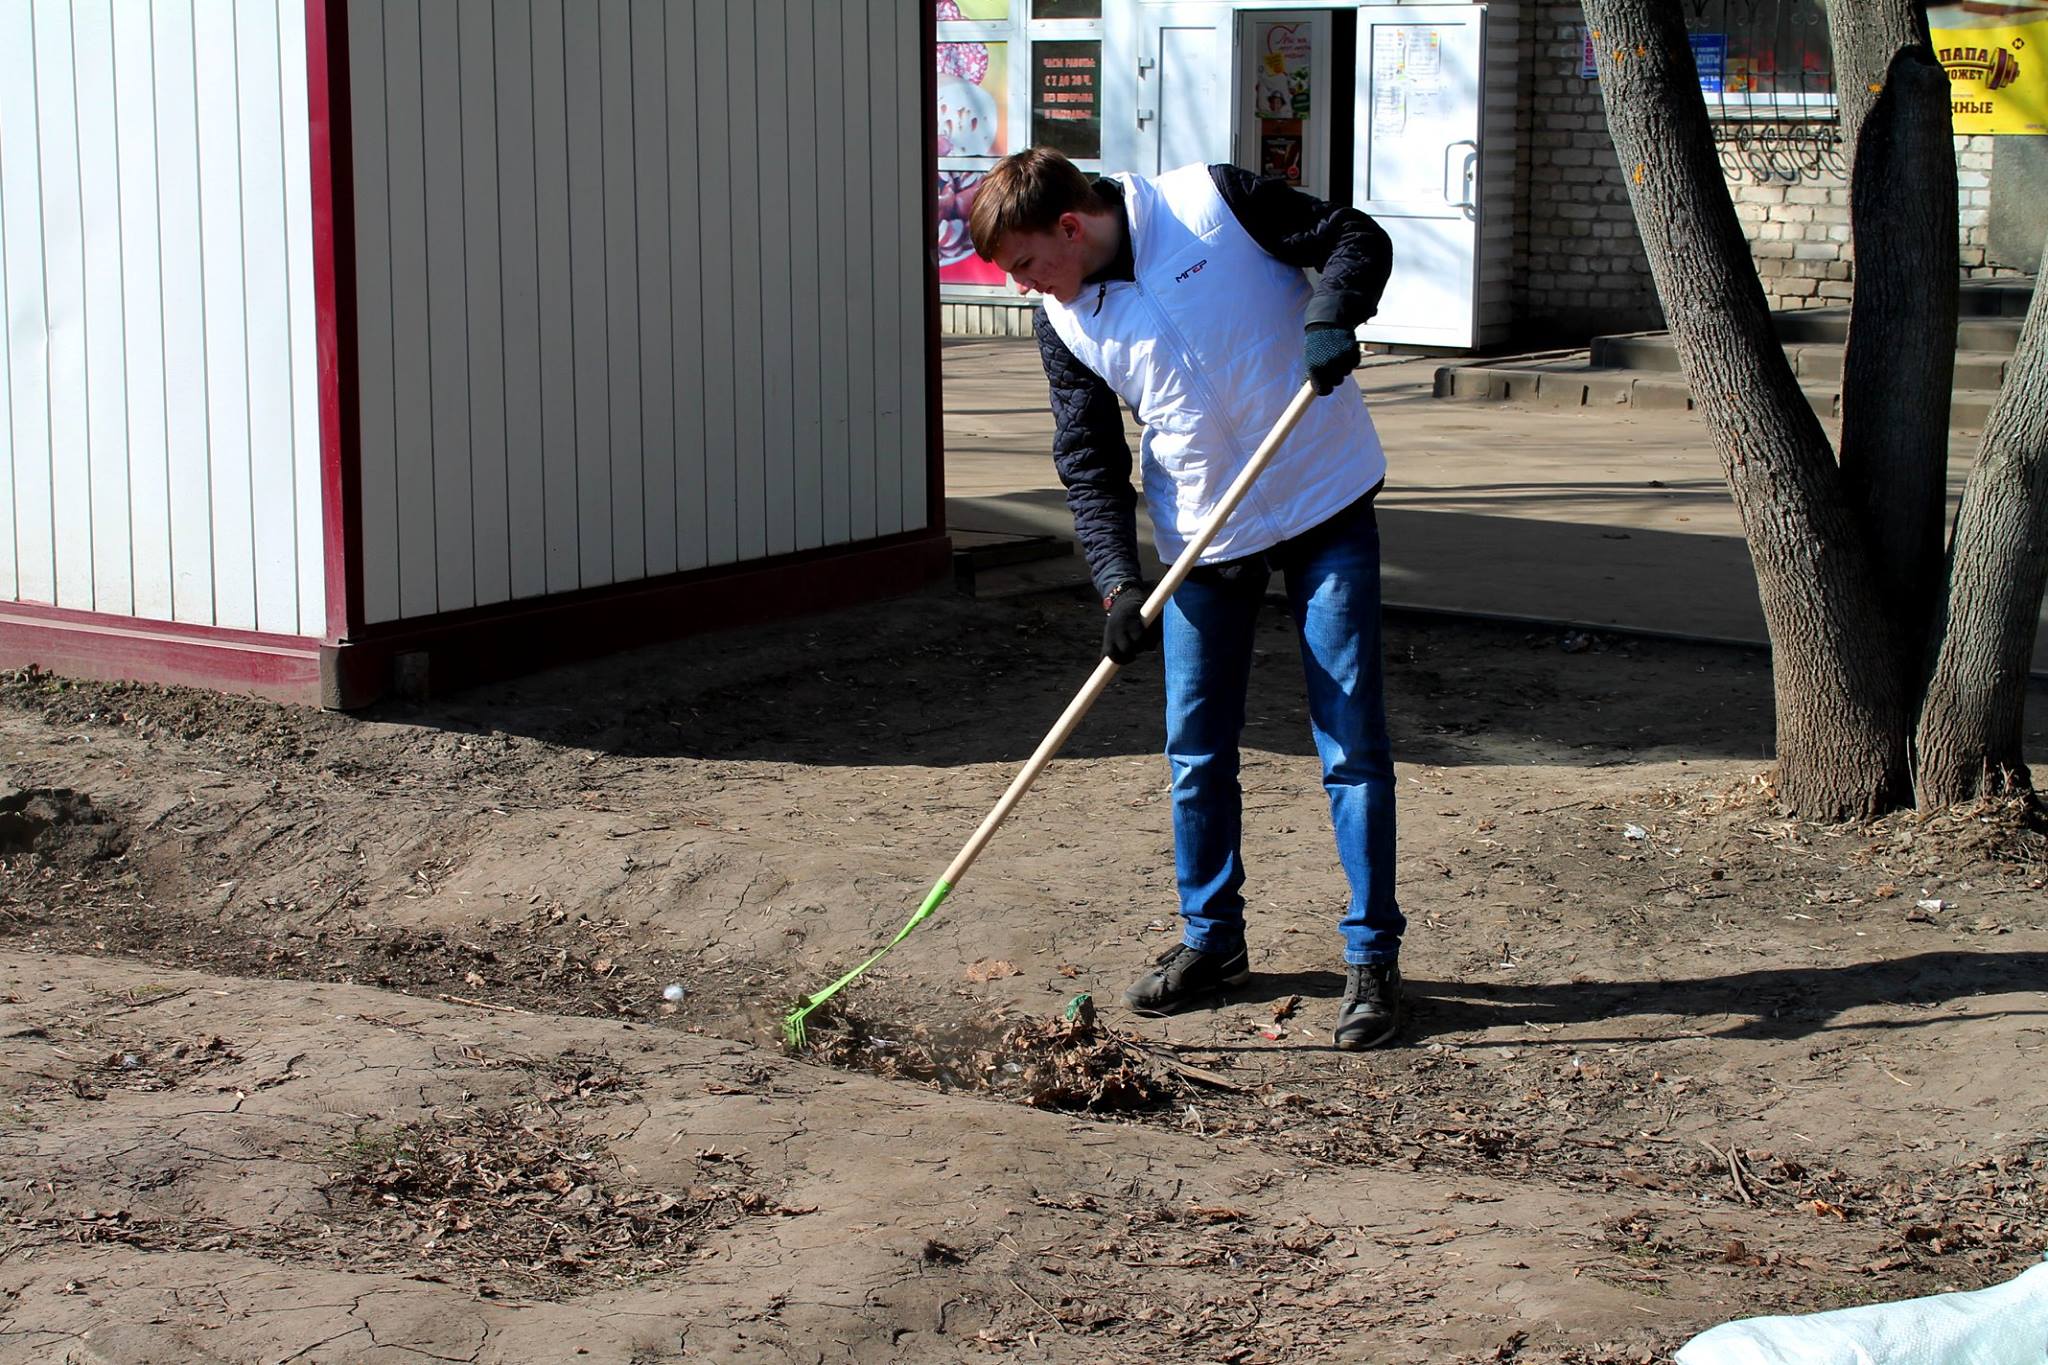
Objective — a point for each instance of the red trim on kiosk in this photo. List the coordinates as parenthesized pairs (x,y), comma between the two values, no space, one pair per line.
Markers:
(87,644)
(334,312)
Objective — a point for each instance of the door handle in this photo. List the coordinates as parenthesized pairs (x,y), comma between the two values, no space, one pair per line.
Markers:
(1467,164)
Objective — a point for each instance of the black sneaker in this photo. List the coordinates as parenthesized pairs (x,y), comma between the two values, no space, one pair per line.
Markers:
(1370,1012)
(1183,976)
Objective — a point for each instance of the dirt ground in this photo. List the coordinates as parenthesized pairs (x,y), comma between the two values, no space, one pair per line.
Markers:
(344,1038)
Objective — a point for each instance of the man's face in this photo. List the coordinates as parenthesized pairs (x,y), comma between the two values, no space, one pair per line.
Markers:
(1049,263)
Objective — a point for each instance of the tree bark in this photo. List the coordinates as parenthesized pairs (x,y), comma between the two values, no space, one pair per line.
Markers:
(1842,717)
(1900,367)
(1970,733)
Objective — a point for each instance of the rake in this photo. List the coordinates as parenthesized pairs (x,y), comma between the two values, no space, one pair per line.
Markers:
(793,1025)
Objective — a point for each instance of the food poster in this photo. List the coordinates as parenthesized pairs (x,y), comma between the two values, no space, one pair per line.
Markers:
(957,262)
(1996,56)
(974,99)
(1066,98)
(1284,51)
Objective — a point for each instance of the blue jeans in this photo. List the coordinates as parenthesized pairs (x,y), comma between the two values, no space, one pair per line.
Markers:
(1332,575)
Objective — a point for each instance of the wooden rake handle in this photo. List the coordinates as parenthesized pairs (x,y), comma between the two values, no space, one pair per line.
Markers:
(1108,668)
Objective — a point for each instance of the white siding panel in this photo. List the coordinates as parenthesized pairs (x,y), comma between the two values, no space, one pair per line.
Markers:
(23,332)
(375,335)
(519,275)
(691,317)
(483,288)
(67,517)
(273,491)
(310,530)
(183,266)
(227,327)
(106,379)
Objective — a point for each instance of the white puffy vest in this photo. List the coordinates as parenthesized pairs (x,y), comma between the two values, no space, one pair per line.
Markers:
(1205,346)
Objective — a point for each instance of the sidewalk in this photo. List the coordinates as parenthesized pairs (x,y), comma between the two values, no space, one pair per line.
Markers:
(1596,520)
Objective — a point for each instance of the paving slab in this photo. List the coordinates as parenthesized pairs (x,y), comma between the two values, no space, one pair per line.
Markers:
(1617,521)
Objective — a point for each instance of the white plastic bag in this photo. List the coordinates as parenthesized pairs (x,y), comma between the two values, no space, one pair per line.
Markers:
(2006,1324)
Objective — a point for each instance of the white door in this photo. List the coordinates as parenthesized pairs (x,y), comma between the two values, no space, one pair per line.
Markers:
(1184,87)
(1416,165)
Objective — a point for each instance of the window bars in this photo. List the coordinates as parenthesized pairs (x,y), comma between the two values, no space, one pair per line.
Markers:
(1768,74)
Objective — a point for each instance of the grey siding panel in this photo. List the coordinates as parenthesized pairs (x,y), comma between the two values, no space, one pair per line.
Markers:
(628,316)
(484,294)
(806,228)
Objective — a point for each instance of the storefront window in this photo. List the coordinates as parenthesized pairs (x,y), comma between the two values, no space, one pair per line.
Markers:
(1011,74)
(1762,58)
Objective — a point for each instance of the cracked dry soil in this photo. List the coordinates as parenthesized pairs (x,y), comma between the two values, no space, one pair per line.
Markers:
(344,1038)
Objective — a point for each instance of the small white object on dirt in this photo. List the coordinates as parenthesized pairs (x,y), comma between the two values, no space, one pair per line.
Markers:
(1930,905)
(2002,1325)
(673,991)
(1634,832)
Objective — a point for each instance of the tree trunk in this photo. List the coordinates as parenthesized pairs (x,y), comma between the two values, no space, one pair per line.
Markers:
(1970,734)
(1840,704)
(1900,366)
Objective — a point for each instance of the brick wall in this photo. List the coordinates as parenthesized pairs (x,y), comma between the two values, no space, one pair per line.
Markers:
(1582,268)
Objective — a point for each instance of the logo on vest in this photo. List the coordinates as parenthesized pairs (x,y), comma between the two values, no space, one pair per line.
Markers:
(1191,271)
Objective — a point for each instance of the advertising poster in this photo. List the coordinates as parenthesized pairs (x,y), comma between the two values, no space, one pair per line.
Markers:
(1996,56)
(1710,59)
(973,98)
(976,11)
(957,262)
(1284,51)
(1066,98)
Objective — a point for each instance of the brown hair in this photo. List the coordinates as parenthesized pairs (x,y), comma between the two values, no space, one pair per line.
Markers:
(1026,192)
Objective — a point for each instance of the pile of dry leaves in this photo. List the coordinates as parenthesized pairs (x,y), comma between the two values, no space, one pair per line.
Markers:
(1068,1061)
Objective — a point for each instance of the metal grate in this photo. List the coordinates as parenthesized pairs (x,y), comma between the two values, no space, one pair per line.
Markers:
(1768,73)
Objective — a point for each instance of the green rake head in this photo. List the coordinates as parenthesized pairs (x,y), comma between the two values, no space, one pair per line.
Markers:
(793,1031)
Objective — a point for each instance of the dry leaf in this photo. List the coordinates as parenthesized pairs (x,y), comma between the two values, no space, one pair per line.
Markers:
(601,967)
(991,970)
(1068,969)
(1215,1213)
(472,979)
(1286,1008)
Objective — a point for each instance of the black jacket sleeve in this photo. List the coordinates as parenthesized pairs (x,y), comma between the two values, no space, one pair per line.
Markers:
(1353,252)
(1093,459)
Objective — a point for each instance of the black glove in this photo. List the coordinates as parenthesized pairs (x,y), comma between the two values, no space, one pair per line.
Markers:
(1125,635)
(1332,353)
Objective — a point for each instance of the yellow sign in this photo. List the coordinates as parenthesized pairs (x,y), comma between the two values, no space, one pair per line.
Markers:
(1996,56)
